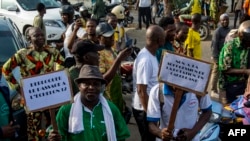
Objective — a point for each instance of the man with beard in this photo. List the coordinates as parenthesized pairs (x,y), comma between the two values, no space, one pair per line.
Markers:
(91,117)
(35,59)
(90,33)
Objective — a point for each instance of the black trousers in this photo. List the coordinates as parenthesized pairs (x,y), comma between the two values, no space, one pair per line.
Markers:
(144,13)
(237,14)
(141,121)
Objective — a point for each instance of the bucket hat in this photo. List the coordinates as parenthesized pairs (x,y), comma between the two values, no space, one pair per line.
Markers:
(90,72)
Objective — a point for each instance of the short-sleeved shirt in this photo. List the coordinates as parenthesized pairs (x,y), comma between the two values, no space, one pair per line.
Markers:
(193,41)
(94,124)
(187,112)
(232,55)
(145,72)
(31,63)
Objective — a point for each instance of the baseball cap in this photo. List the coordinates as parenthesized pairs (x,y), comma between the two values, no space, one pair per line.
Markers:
(104,29)
(81,47)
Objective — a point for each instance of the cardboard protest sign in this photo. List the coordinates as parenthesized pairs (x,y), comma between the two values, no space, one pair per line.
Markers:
(185,73)
(46,91)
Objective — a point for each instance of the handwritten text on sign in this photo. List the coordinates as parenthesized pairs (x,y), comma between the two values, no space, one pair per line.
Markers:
(185,72)
(46,90)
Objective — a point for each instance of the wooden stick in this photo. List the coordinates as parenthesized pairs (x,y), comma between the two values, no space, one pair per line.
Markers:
(177,99)
(53,119)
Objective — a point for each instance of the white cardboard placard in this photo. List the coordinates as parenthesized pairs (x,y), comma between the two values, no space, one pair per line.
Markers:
(46,91)
(185,72)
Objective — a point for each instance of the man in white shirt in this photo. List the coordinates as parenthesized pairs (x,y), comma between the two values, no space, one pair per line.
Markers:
(145,73)
(144,11)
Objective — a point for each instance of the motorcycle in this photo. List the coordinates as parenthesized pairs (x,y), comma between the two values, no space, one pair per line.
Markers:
(128,19)
(204,27)
(221,120)
(126,68)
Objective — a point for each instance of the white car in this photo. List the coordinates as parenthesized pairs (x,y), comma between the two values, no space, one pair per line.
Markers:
(22,12)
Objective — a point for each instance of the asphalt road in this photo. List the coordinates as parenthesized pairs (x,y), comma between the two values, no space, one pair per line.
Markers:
(140,36)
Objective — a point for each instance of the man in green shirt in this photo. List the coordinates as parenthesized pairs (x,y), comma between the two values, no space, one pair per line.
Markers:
(234,65)
(91,117)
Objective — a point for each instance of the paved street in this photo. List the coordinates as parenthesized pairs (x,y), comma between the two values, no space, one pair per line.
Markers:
(140,36)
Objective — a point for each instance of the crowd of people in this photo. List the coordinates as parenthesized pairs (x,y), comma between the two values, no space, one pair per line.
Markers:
(92,52)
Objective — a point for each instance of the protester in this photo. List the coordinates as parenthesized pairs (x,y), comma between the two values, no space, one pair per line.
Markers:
(90,33)
(35,59)
(90,30)
(113,91)
(91,117)
(119,34)
(193,41)
(180,37)
(84,15)
(218,40)
(238,11)
(194,6)
(186,126)
(143,7)
(167,23)
(145,73)
(118,31)
(214,12)
(86,52)
(38,20)
(8,128)
(74,31)
(67,16)
(234,65)
(155,10)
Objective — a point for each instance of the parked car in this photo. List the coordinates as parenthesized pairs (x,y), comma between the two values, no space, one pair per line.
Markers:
(22,12)
(11,40)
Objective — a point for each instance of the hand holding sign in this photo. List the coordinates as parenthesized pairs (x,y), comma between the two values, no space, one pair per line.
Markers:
(47,91)
(183,73)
